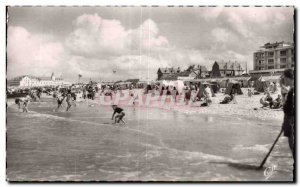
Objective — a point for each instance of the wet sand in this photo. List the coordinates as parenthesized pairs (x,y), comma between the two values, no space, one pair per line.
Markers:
(156,144)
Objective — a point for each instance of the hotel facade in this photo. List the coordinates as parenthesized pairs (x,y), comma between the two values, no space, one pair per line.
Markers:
(272,56)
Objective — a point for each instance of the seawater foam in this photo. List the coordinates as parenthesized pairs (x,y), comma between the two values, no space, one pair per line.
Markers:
(189,155)
(256,147)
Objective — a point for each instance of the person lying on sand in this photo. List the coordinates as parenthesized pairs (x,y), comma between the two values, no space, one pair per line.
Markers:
(228,98)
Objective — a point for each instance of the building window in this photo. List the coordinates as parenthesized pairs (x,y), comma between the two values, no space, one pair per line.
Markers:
(271,67)
(282,66)
(270,54)
(282,53)
(282,60)
(271,61)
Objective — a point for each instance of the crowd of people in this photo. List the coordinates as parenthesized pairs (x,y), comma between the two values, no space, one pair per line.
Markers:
(284,100)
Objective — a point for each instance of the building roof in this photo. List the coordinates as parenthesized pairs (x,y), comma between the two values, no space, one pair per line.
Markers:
(45,78)
(184,73)
(19,78)
(277,44)
(198,67)
(230,66)
(169,70)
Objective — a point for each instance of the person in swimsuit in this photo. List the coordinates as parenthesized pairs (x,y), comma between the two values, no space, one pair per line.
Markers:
(69,97)
(25,105)
(59,102)
(119,116)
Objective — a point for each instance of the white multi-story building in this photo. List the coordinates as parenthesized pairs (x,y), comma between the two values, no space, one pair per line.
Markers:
(23,81)
(30,81)
(279,55)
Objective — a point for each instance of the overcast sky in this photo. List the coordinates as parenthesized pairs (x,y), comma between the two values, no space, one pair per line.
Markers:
(135,41)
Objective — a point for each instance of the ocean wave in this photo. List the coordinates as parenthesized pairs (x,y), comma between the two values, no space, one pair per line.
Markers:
(256,147)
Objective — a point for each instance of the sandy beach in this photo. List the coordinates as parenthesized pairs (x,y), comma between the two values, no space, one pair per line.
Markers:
(156,144)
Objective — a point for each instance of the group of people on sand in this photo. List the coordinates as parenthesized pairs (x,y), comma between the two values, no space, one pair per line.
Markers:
(268,101)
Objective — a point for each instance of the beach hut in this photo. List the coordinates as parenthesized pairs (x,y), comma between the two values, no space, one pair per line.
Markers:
(201,89)
(244,81)
(233,87)
(261,84)
(214,85)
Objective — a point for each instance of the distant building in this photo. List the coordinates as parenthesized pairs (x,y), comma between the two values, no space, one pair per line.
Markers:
(170,73)
(31,81)
(167,73)
(279,55)
(176,73)
(22,81)
(226,69)
(269,72)
(198,71)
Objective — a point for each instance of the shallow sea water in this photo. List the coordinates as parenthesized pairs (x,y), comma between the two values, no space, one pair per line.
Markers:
(155,145)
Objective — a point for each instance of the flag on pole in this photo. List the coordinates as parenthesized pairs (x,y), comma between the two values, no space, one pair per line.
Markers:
(79,75)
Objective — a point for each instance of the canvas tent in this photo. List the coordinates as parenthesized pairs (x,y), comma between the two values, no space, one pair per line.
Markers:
(261,84)
(233,87)
(223,83)
(201,89)
(214,85)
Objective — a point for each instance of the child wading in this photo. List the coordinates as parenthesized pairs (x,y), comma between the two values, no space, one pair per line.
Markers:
(119,116)
(25,105)
(69,96)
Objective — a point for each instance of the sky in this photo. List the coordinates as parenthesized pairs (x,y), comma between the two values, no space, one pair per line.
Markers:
(119,43)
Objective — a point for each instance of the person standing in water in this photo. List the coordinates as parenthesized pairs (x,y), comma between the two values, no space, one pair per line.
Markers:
(59,102)
(18,102)
(69,97)
(25,105)
(119,116)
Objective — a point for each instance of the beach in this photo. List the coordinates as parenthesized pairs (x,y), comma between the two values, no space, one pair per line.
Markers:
(157,143)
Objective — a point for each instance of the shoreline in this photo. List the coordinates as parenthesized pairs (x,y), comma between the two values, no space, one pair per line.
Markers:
(247,107)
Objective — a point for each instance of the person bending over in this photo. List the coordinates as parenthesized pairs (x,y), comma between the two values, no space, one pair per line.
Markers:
(120,114)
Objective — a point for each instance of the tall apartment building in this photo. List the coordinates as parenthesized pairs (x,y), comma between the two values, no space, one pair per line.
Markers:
(279,55)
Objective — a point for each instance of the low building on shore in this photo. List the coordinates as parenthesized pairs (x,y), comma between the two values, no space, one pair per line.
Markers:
(32,81)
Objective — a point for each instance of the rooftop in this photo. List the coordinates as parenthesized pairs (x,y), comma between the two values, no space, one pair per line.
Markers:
(275,45)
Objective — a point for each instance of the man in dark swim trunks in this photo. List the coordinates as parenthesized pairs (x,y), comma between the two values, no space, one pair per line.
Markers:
(69,97)
(59,102)
(18,102)
(119,116)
